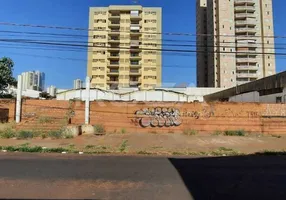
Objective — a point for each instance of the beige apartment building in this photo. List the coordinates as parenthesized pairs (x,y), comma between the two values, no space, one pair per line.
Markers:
(124,47)
(235,42)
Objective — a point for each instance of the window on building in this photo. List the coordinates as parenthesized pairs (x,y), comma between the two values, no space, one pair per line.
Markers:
(278,99)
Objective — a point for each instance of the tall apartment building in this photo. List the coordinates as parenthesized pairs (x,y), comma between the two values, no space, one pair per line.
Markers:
(33,80)
(77,84)
(235,42)
(125,44)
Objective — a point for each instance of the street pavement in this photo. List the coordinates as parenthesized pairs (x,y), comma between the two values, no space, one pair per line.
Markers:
(64,176)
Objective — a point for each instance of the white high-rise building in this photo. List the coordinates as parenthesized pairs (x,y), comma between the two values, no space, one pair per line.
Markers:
(33,80)
(235,42)
(77,84)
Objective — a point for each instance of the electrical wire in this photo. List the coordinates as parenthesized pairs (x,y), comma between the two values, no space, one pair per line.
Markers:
(155,33)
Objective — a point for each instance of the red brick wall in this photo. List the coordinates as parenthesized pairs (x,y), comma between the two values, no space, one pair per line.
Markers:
(32,109)
(7,105)
(203,117)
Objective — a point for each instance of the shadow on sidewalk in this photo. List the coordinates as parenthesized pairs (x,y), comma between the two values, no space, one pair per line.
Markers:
(242,177)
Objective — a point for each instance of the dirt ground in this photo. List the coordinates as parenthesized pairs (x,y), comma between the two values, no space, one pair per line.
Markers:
(159,143)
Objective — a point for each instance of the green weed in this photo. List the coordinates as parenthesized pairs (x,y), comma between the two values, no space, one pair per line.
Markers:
(7,133)
(190,132)
(25,134)
(99,129)
(123,131)
(123,146)
(217,133)
(235,133)
(55,134)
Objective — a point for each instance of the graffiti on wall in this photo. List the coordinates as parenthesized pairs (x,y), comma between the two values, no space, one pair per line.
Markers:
(167,117)
(158,117)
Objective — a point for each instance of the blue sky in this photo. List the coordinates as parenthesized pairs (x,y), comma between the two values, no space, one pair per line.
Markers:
(178,16)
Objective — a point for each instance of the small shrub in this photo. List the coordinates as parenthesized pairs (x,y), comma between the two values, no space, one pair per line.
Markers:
(45,120)
(235,133)
(44,135)
(144,153)
(123,146)
(190,132)
(25,134)
(276,136)
(55,134)
(25,144)
(67,134)
(99,129)
(176,153)
(55,150)
(224,149)
(89,146)
(123,131)
(7,133)
(217,133)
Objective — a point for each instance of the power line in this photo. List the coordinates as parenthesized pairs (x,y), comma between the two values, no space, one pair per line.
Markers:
(155,33)
(164,44)
(130,48)
(40,34)
(66,58)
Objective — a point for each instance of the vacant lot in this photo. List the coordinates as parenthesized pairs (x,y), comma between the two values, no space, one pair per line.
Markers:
(160,144)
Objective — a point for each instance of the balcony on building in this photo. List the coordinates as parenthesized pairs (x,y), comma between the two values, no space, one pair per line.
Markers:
(114,31)
(244,15)
(244,8)
(134,43)
(135,56)
(246,75)
(135,64)
(114,16)
(246,60)
(247,21)
(113,63)
(114,56)
(112,71)
(114,48)
(246,30)
(244,2)
(135,15)
(246,52)
(135,72)
(134,81)
(113,79)
(246,44)
(114,39)
(247,67)
(114,24)
(135,30)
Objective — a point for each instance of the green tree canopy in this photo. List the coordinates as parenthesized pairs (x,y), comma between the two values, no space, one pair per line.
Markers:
(6,74)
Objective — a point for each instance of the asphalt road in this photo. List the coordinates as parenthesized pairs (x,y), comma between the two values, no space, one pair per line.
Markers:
(40,176)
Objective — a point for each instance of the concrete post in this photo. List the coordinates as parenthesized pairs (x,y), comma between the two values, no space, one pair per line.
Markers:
(87,93)
(19,99)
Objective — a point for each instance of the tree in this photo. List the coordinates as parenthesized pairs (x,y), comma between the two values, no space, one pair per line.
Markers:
(6,74)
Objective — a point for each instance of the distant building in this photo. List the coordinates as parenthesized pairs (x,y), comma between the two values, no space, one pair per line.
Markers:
(33,80)
(235,42)
(52,90)
(77,84)
(126,47)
